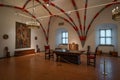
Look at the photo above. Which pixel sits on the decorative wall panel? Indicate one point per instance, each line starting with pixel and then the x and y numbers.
pixel 23 36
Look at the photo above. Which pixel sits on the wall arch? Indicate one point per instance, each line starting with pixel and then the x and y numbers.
pixel 114 33
pixel 58 35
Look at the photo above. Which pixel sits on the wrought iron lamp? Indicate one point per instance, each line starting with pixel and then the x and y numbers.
pixel 116 14
pixel 33 23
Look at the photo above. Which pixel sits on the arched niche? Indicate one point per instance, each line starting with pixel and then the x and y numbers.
pixel 59 35
pixel 114 34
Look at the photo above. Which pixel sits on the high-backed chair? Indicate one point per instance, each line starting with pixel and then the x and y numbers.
pixel 48 52
pixel 91 56
pixel 7 53
pixel 38 49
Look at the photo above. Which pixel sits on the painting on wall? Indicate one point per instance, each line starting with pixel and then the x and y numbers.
pixel 23 36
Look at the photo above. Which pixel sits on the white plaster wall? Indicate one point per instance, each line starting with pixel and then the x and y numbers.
pixel 40 39
pixel 7 26
pixel 118 39
pixel 91 39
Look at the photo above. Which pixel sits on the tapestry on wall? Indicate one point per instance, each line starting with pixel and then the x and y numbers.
pixel 23 36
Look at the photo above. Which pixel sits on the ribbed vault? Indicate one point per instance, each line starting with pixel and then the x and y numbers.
pixel 61 9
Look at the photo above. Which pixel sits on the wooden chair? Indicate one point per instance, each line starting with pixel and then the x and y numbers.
pixel 48 52
pixel 7 53
pixel 91 56
pixel 38 49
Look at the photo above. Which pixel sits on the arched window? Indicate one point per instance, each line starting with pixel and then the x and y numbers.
pixel 64 37
pixel 105 36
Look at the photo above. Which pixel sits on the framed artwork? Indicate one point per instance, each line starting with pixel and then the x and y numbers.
pixel 23 36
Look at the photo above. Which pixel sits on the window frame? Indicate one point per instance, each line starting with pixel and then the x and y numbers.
pixel 105 37
pixel 62 37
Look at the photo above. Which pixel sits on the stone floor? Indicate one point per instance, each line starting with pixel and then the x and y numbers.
pixel 35 67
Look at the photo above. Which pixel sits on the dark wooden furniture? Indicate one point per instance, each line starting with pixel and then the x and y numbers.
pixel 91 56
pixel 24 52
pixel 114 53
pixel 37 49
pixel 6 51
pixel 48 52
pixel 99 52
pixel 68 56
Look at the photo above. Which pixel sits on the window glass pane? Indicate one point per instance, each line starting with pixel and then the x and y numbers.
pixel 102 40
pixel 66 40
pixel 66 34
pixel 102 33
pixel 64 37
pixel 63 34
pixel 63 40
pixel 106 36
pixel 108 40
pixel 108 33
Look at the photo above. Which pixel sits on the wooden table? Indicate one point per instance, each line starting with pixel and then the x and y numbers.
pixel 68 56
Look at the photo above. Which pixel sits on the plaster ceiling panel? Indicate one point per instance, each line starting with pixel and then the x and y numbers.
pixel 80 3
pixel 64 4
pixel 98 2
pixel 39 11
pixel 19 3
pixel 54 10
pixel 22 14
pixel 32 4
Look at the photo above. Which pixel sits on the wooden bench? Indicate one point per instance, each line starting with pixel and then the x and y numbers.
pixel 24 52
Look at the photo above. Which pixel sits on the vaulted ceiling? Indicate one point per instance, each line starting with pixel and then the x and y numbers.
pixel 64 9
pixel 56 6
